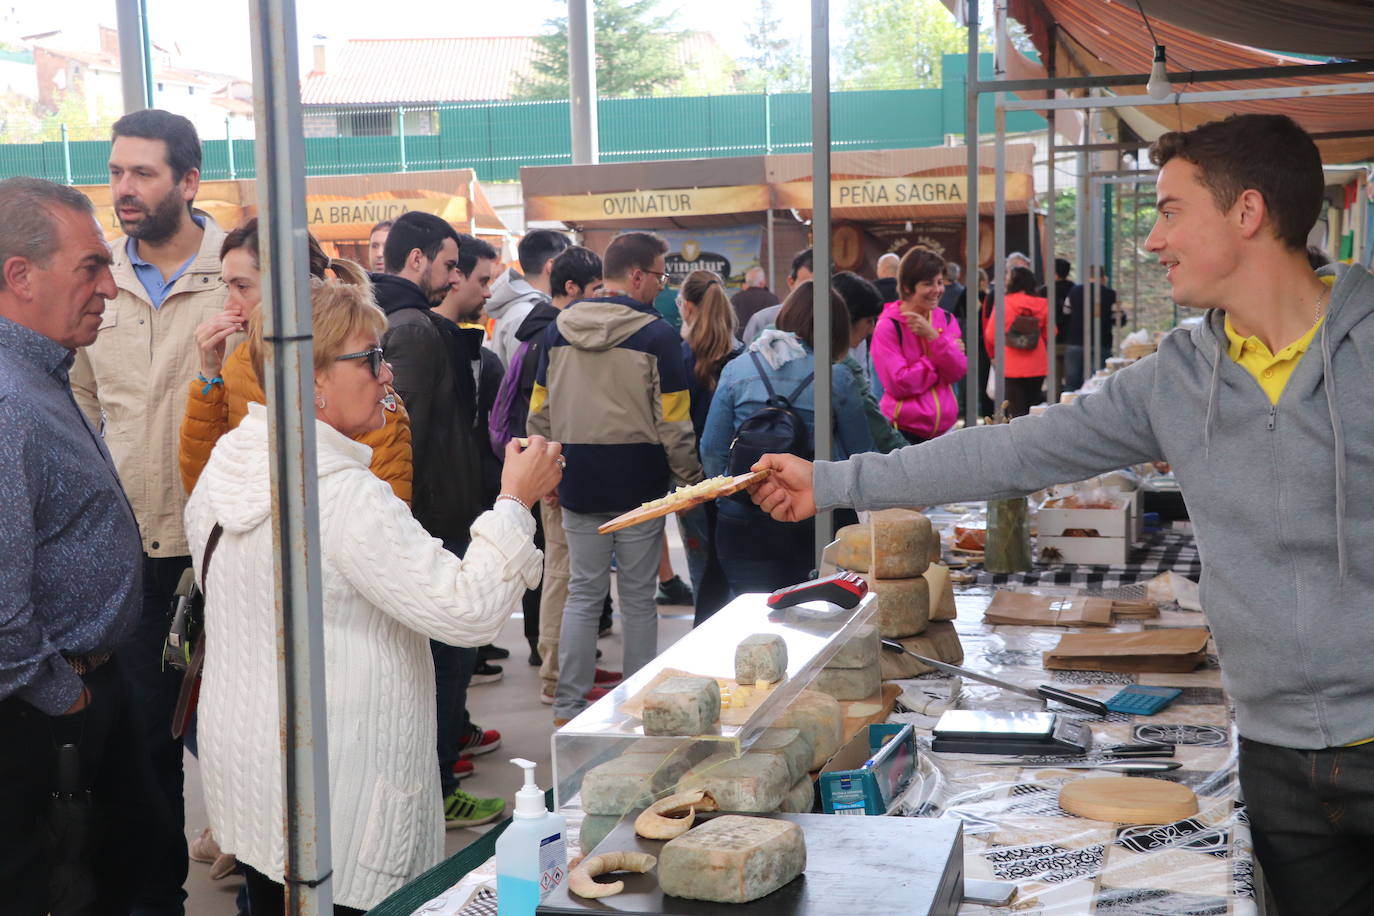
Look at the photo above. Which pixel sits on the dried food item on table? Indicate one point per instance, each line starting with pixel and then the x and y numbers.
pixel 581 879
pixel 761 657
pixel 682 706
pixel 673 816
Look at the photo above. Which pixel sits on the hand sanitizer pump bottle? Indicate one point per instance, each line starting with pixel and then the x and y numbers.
pixel 531 858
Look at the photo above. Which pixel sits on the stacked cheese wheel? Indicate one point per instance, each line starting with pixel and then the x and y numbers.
pixel 893 551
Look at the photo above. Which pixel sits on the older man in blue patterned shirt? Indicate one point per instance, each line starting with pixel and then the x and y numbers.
pixel 70 582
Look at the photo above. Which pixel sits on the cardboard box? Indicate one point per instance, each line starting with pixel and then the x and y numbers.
pixel 847 787
pixel 1108 523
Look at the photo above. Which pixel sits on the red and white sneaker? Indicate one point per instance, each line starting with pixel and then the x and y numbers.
pixel 463 768
pixel 604 678
pixel 480 741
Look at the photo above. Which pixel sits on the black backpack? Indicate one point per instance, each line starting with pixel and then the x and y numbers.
pixel 775 428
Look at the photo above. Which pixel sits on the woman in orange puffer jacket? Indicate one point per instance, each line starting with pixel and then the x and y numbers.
pixel 219 397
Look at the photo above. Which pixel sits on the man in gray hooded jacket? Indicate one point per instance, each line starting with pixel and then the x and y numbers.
pixel 515 295
pixel 1264 413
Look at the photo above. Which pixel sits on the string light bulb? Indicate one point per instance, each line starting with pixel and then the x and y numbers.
pixel 1158 87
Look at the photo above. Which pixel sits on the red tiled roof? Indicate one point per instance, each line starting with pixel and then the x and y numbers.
pixel 435 70
pixel 384 70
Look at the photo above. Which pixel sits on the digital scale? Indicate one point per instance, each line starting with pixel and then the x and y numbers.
pixel 1013 733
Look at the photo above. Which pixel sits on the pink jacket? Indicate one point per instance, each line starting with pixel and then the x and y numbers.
pixel 917 374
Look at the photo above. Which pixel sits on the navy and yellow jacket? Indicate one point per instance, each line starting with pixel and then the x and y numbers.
pixel 611 386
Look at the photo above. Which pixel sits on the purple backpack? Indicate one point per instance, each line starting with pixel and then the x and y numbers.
pixel 510 410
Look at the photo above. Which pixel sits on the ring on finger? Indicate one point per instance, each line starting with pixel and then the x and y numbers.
pixel 561 462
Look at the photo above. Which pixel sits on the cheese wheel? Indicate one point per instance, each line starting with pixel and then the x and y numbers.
pixel 732 859
pixel 817 716
pixel 801 798
pixel 940 641
pixel 788 743
pixel 903 606
pixel 682 706
pixel 849 683
pixel 761 657
pixel 628 782
pixel 753 782
pixel 942 606
pixel 859 651
pixel 901 544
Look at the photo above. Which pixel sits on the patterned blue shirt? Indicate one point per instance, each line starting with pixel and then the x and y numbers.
pixel 71 580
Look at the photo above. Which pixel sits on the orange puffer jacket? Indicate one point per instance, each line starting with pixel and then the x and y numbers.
pixel 210 414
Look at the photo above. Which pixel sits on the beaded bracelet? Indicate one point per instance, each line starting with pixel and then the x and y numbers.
pixel 515 499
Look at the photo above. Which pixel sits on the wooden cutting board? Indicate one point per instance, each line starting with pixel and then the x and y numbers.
pixel 642 514
pixel 1128 800
pixel 884 699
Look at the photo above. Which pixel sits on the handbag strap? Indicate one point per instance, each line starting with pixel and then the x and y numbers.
pixel 210 544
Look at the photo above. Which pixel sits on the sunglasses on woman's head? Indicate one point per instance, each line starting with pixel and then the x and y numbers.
pixel 374 358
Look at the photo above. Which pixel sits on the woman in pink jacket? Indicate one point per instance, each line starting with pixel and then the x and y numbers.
pixel 918 351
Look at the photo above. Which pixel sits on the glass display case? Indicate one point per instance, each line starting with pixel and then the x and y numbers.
pixel 813 632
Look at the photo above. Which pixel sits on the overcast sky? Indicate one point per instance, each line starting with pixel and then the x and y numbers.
pixel 215 37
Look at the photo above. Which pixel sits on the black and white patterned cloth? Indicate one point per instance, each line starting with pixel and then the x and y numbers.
pixel 1162 551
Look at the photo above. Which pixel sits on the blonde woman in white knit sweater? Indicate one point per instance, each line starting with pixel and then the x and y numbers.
pixel 388 588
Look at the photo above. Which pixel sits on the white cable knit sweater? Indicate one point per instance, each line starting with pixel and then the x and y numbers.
pixel 388 587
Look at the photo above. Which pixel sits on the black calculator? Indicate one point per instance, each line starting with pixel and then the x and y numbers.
pixel 1138 700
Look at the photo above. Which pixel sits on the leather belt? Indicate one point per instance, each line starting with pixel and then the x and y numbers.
pixel 85 664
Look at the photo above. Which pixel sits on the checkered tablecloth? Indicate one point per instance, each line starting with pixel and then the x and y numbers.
pixel 1163 551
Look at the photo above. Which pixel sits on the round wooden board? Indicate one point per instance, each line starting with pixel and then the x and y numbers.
pixel 1128 800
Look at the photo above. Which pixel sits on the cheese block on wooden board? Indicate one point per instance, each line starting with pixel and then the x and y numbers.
pixel 732 859
pixel 901 543
pixel 739 702
pixel 868 711
pixel 761 657
pixel 859 651
pixel 940 641
pixel 752 782
pixel 818 717
pixel 801 798
pixel 628 782
pixel 903 605
pixel 682 706
pixel 1128 800
pixel 942 606
pixel 791 745
pixel 849 683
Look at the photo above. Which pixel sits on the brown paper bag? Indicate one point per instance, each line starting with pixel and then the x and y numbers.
pixel 1174 650
pixel 1026 610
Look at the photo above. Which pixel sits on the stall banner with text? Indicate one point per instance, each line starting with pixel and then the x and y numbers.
pixel 658 203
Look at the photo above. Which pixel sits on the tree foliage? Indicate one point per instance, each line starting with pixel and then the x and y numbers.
pixel 776 63
pixel 634 53
pixel 898 44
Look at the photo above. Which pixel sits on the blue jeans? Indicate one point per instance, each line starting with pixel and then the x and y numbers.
pixel 1073 367
pixel 761 555
pixel 453 666
pixel 636 553
pixel 152 689
pixel 1312 821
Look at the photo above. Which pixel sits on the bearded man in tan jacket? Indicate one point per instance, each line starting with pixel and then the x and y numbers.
pixel 131 384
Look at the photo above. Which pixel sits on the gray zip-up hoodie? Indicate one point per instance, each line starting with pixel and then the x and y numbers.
pixel 1284 526
pixel 512 300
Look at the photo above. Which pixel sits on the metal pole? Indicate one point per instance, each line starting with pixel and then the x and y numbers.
pixel 229 147
pixel 582 82
pixel 1135 257
pixel 135 71
pixel 973 332
pixel 1051 246
pixel 820 242
pixel 1080 239
pixel 401 133
pixel 289 371
pixel 66 157
pixel 999 217
pixel 1094 278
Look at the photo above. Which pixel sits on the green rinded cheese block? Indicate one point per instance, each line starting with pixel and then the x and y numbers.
pixel 903 606
pixel 788 743
pixel 761 657
pixel 752 782
pixel 801 798
pixel 817 716
pixel 682 706
pixel 940 641
pixel 732 859
pixel 628 782
pixel 859 651
pixel 846 684
pixel 901 544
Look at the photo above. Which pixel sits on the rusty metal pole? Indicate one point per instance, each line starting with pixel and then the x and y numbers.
pixel 289 384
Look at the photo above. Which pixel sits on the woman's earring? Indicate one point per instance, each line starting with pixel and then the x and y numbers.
pixel 319 402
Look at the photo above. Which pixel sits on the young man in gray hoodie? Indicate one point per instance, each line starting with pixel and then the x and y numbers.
pixel 515 295
pixel 1264 413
